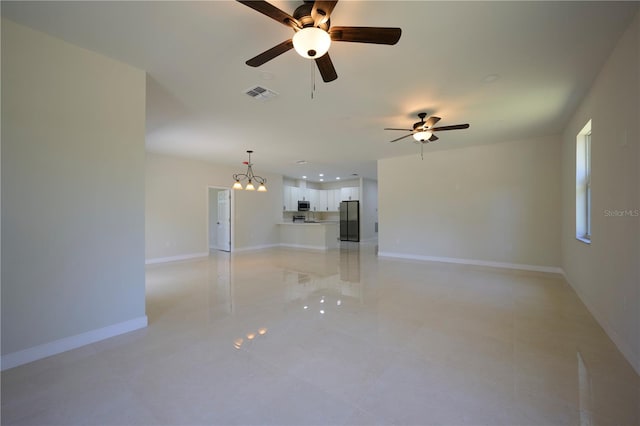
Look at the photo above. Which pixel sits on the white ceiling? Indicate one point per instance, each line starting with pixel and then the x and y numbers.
pixel 546 55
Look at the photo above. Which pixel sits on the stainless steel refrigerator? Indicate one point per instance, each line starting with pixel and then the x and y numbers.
pixel 350 221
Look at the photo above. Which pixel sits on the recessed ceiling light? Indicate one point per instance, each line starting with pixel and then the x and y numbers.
pixel 321 180
pixel 301 162
pixel 304 177
pixel 321 174
pixel 338 178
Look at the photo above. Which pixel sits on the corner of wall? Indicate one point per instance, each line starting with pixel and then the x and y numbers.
pixel 613 102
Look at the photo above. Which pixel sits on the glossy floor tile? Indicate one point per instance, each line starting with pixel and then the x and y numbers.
pixel 290 337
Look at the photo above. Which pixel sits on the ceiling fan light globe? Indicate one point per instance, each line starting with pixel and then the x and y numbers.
pixel 422 136
pixel 311 42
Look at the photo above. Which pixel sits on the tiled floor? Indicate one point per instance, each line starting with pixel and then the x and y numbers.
pixel 289 337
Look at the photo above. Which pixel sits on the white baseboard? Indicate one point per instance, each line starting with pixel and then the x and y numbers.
pixel 369 240
pixel 519 266
pixel 252 248
pixel 627 351
pixel 176 258
pixel 58 346
pixel 303 246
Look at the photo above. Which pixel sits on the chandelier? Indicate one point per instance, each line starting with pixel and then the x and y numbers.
pixel 250 177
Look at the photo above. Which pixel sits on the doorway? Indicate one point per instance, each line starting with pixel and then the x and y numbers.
pixel 219 219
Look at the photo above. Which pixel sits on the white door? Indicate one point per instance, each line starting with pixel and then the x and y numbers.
pixel 223 224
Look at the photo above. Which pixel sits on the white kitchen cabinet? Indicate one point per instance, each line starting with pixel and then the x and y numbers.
pixel 323 205
pixel 303 194
pixel 350 193
pixel 321 200
pixel 291 196
pixel 334 199
pixel 285 198
pixel 313 199
pixel 295 196
pixel 345 193
pixel 338 198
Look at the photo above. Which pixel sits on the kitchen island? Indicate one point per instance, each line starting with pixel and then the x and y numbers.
pixel 309 235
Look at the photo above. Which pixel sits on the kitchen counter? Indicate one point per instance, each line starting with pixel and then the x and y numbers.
pixel 310 235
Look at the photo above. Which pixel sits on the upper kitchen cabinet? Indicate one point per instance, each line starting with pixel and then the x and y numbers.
pixel 314 195
pixel 320 200
pixel 329 200
pixel 333 200
pixel 291 197
pixel 303 194
pixel 323 205
pixel 350 193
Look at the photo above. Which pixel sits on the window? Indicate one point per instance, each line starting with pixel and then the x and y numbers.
pixel 587 167
pixel 583 184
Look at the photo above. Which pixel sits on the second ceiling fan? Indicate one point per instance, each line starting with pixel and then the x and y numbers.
pixel 313 34
pixel 423 131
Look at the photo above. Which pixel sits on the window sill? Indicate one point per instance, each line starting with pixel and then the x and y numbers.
pixel 584 239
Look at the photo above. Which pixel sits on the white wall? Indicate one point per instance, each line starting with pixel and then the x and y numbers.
pixel 176 207
pixel 494 203
pixel 368 209
pixel 72 195
pixel 606 273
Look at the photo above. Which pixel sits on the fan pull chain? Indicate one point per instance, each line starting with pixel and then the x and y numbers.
pixel 313 78
pixel 422 151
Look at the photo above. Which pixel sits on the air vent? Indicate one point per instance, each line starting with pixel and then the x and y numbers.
pixel 261 93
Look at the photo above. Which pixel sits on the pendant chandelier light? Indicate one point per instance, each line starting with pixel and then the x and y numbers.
pixel 249 177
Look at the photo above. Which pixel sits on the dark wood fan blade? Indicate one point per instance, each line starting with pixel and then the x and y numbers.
pixel 272 12
pixel 433 138
pixel 404 130
pixel 375 35
pixel 327 71
pixel 321 11
pixel 396 140
pixel 270 54
pixel 454 127
pixel 431 121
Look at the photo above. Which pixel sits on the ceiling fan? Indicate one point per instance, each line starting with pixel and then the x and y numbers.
pixel 313 34
pixel 423 131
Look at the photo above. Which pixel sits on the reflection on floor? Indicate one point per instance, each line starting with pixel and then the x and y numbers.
pixel 298 337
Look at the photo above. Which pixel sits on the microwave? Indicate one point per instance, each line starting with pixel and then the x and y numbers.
pixel 304 206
